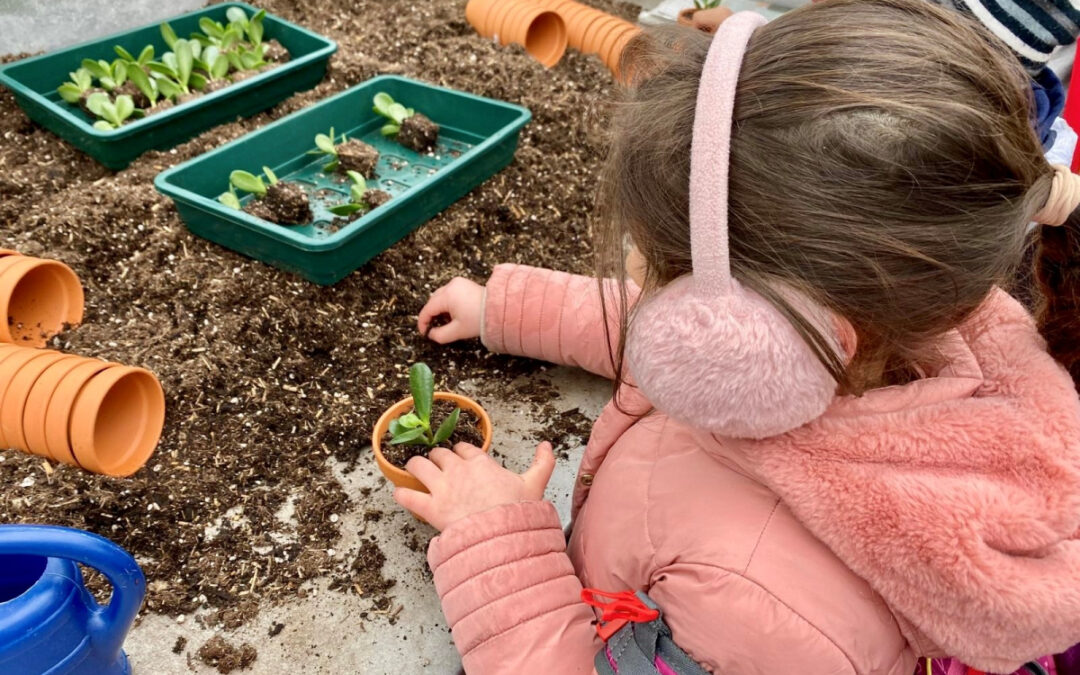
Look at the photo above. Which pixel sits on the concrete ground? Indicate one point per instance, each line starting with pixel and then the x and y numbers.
pixel 324 633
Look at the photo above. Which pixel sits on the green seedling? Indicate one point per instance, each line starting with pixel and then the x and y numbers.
pixel 179 65
pixel 150 87
pixel 81 82
pixel 254 28
pixel 706 4
pixel 110 75
pixel 393 111
pixel 248 182
pixel 357 202
pixel 415 428
pixel 112 113
pixel 145 57
pixel 169 35
pixel 327 145
pixel 214 63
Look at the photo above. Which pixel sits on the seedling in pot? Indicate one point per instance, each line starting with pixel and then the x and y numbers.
pixel 112 113
pixel 145 57
pixel 360 197
pixel 78 88
pixel 155 91
pixel 215 65
pixel 346 154
pixel 274 201
pixel 415 428
pixel 412 129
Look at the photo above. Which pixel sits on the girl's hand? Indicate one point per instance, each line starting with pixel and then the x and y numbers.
pixel 468 481
pixel 463 301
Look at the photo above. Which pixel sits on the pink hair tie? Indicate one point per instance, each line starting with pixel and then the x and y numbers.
pixel 1064 197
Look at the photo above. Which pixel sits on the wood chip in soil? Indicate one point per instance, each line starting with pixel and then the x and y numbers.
pixel 267 376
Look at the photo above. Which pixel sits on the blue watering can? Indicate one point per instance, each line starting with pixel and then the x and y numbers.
pixel 49 622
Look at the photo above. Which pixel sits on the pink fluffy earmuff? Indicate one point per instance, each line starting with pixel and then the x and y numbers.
pixel 705 350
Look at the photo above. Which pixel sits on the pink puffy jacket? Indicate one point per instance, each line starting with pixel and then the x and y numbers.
pixel 938 517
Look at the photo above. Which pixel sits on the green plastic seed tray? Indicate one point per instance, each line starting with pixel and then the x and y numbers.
pixel 34 81
pixel 478 137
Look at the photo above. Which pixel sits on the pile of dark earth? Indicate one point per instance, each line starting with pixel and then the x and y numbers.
pixel 267 376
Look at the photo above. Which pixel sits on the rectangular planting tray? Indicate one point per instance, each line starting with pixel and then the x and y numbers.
pixel 34 82
pixel 478 137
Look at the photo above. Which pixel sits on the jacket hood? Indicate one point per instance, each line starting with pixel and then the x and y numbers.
pixel 957 497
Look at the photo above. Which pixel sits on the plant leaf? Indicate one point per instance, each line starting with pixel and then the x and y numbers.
pixel 184 61
pixel 325 143
pixel 83 79
pixel 198 81
pixel 232 36
pixel 69 92
pixel 345 209
pixel 242 180
pixel 146 55
pixel 409 436
pixel 168 88
pixel 229 199
pixel 96 69
pixel 102 125
pixel 119 72
pixel 356 193
pixel 108 83
pixel 211 27
pixel 447 427
pixel 395 427
pixel 411 421
pixel 125 106
pixel 109 112
pixel 398 113
pixel 270 175
pixel 255 27
pixel 390 129
pixel 236 15
pixel 422 386
pixel 249 60
pixel 163 68
pixel 168 34
pixel 234 60
pixel 329 167
pixel 357 178
pixel 123 53
pixel 95 101
pixel 382 103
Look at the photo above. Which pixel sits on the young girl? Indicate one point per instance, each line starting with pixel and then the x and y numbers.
pixel 836 444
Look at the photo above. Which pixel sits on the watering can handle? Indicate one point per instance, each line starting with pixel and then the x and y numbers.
pixel 108 625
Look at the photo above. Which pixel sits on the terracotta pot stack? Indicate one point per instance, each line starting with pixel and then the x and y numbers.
pixel 525 22
pixel 38 297
pixel 592 31
pixel 102 417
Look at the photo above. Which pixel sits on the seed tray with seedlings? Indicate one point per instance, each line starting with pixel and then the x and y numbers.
pixel 148 88
pixel 299 196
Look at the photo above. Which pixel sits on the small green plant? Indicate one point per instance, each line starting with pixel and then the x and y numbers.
pixel 706 4
pixel 213 63
pixel 248 182
pixel 357 200
pixel 149 86
pixel 110 75
pixel 326 145
pixel 81 82
pixel 179 65
pixel 112 113
pixel 393 111
pixel 145 56
pixel 415 428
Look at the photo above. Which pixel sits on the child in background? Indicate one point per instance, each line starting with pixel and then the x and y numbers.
pixel 836 444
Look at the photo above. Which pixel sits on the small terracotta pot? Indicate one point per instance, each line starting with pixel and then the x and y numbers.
pixel 58 414
pixel 37 404
pixel 541 32
pixel 401 477
pixel 571 16
pixel 496 16
pixel 13 402
pixel 582 23
pixel 8 251
pixel 611 38
pixel 37 298
pixel 705 20
pixel 477 12
pixel 617 50
pixel 116 421
pixel 518 9
pixel 596 33
pixel 12 363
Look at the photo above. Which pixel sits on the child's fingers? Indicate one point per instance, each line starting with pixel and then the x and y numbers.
pixel 437 304
pixel 467 450
pixel 451 332
pixel 417 502
pixel 537 476
pixel 424 470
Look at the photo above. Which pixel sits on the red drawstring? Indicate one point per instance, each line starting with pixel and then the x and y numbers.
pixel 617 610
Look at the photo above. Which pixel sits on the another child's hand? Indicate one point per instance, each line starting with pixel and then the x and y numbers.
pixel 468 481
pixel 463 301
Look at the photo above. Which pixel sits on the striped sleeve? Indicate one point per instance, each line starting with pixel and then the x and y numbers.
pixel 1031 28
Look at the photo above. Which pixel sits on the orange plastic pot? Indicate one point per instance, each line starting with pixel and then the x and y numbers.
pixel 580 25
pixel 401 477
pixel 13 403
pixel 477 12
pixel 541 32
pixel 37 404
pixel 37 298
pixel 116 421
pixel 58 414
pixel 596 33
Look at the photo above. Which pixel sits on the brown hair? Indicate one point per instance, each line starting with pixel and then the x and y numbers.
pixel 883 163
